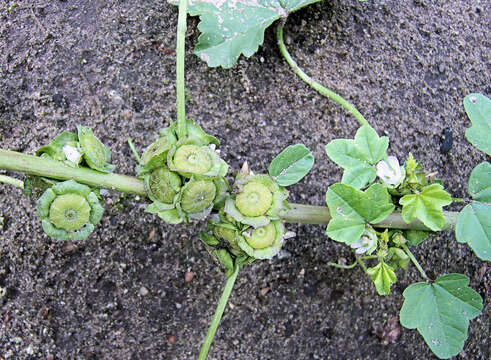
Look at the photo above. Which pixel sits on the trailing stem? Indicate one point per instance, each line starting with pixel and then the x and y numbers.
pixel 296 213
pixel 314 84
pixel 227 290
pixel 180 52
pixel 415 262
pixel 11 181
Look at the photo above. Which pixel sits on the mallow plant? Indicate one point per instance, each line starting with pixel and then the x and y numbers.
pixel 382 208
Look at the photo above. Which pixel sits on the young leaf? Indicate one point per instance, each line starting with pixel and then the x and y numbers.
pixel 426 206
pixel 478 109
pixel 370 144
pixel 383 277
pixel 291 165
pixel 441 312
pixel 351 208
pixel 358 156
pixel 231 28
pixel 474 227
pixel 480 182
pixel 416 237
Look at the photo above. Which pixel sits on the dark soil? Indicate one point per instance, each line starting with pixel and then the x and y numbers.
pixel 122 294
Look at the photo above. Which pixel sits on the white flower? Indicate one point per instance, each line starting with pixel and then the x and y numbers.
pixel 366 243
pixel 390 171
pixel 72 154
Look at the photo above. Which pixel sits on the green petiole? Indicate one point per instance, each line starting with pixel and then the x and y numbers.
pixel 314 84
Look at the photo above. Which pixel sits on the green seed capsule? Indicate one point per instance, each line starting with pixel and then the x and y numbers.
pixel 163 185
pixel 69 212
pixel 254 200
pixel 192 159
pixel 262 237
pixel 198 195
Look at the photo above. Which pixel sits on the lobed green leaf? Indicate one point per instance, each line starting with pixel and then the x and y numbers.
pixel 231 28
pixel 383 277
pixel 480 182
pixel 478 109
pixel 474 228
pixel 441 312
pixel 426 206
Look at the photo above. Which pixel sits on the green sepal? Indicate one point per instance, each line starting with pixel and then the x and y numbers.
pixel 441 312
pixel 97 210
pixel 195 131
pixel 54 149
pixel 196 196
pixel 35 186
pixel 155 155
pixel 170 216
pixel 95 153
pixel 383 277
pixel 208 239
pixel 398 257
pixel 222 191
pixel 70 186
pixel 224 258
pixel 426 206
pixel 44 203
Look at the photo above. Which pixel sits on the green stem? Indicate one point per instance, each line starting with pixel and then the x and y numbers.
pixel 362 264
pixel 218 313
pixel 309 214
pixel 180 52
pixel 11 181
pixel 133 150
pixel 415 262
pixel 296 213
pixel 33 165
pixel 314 84
pixel 340 266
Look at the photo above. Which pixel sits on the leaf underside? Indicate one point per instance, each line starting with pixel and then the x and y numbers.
pixel 441 312
pixel 230 28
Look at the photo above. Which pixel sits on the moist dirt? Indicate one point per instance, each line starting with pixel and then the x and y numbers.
pixel 122 294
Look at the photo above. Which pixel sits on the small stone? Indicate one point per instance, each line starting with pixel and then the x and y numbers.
pixel 171 339
pixel 143 291
pixel 127 114
pixel 188 277
pixel 264 291
pixel 178 306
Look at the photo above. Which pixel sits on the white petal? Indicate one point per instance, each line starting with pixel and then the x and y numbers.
pixel 72 154
pixel 357 244
pixel 361 250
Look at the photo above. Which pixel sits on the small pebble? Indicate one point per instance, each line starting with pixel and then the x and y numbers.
pixel 143 291
pixel 188 277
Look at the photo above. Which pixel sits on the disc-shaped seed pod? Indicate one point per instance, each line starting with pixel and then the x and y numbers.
pixel 254 199
pixel 258 200
pixel 69 211
pixel 95 154
pixel 197 198
pixel 162 185
pixel 189 158
pixel 192 159
pixel 263 242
